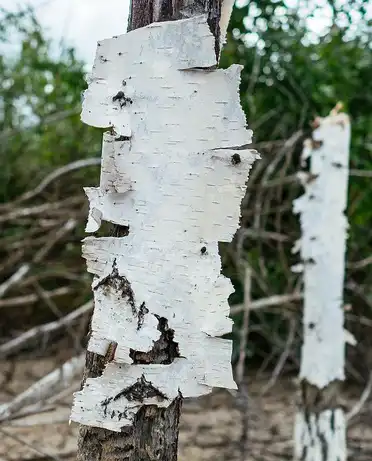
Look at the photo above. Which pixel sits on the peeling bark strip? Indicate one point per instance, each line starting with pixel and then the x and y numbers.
pixel 320 424
pixel 172 184
pixel 184 183
pixel 153 435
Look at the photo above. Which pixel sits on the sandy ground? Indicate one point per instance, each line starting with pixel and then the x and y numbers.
pixel 210 426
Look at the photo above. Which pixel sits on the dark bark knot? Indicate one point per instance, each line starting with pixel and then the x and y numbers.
pixel 164 350
pixel 235 159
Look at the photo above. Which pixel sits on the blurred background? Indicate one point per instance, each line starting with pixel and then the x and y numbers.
pixel 300 58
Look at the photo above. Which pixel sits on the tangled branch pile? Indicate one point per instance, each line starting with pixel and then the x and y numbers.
pixel 45 290
pixel 42 274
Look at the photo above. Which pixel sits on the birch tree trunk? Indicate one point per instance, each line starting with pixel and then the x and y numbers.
pixel 153 430
pixel 320 427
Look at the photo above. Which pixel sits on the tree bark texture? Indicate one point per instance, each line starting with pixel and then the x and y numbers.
pixel 144 12
pixel 154 435
pixel 320 423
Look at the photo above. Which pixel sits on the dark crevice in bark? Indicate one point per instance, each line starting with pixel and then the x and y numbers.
pixel 142 311
pixel 164 350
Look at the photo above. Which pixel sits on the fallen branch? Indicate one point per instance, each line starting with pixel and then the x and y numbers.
pixel 45 387
pixel 360 264
pixel 32 298
pixel 25 268
pixel 283 358
pixel 264 235
pixel 55 175
pixel 40 209
pixel 278 300
pixel 16 344
pixel 270 301
pixel 14 279
pixel 29 445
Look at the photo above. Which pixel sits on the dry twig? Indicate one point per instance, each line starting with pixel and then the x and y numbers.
pixel 45 387
pixel 362 400
pixel 25 268
pixel 20 341
pixel 275 300
pixel 243 392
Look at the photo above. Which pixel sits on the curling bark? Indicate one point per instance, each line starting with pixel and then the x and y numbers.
pixel 145 352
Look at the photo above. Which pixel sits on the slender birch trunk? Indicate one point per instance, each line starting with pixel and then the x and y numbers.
pixel 171 181
pixel 320 428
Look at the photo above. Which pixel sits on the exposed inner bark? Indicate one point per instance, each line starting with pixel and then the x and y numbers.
pixel 144 12
pixel 313 400
pixel 154 434
pixel 164 351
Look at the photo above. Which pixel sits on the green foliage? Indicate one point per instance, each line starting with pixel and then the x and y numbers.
pixel 40 96
pixel 290 75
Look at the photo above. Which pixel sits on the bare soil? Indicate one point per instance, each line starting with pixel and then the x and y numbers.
pixel 210 426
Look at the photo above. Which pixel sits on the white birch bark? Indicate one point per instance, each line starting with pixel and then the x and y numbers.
pixel 174 169
pixel 320 435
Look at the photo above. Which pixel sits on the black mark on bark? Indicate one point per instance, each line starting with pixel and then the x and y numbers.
pixel 123 100
pixel 123 138
pixel 139 391
pixel 309 261
pixel 304 454
pixel 323 443
pixel 333 422
pixel 120 284
pixel 142 311
pixel 235 159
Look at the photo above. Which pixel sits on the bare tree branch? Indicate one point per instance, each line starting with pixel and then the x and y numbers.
pixel 19 342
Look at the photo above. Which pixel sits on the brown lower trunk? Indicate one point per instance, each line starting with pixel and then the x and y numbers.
pixel 154 434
